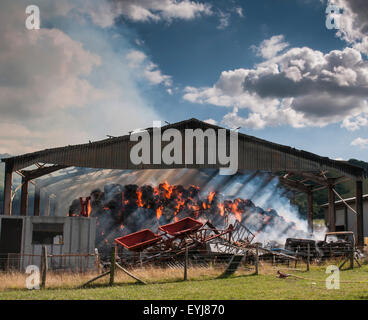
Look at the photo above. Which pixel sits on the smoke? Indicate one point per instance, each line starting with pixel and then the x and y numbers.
pixel 138 200
pixel 68 73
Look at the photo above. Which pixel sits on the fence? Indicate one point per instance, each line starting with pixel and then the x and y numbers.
pixel 57 262
pixel 250 259
pixel 154 266
pixel 222 252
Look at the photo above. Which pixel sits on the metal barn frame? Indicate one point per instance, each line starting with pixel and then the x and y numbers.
pixel 297 169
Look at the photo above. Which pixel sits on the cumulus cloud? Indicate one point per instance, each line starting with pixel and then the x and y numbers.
pixel 41 70
pixel 136 58
pixel 353 23
pixel 360 142
pixel 271 47
pixel 211 121
pixel 104 13
pixel 143 10
pixel 300 87
pixel 355 123
pixel 49 81
pixel 139 61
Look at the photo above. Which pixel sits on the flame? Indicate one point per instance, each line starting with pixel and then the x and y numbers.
pixel 89 208
pixel 139 201
pixel 156 192
pixel 238 216
pixel 210 196
pixel 159 213
pixel 168 188
pixel 180 204
pixel 177 201
pixel 222 209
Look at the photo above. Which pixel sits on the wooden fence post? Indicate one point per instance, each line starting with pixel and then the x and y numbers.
pixel 112 265
pixel 352 257
pixel 296 258
pixel 308 256
pixel 44 266
pixel 186 263
pixel 256 259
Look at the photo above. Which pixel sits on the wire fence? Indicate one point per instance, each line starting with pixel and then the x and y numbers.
pixel 152 266
pixel 218 259
pixel 215 257
pixel 78 262
pixel 231 258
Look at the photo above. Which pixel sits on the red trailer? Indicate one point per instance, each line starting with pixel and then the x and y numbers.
pixel 139 241
pixel 182 227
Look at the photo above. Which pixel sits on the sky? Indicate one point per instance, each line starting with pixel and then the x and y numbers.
pixel 106 67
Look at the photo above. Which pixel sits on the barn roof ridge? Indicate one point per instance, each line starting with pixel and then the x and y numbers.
pixel 342 165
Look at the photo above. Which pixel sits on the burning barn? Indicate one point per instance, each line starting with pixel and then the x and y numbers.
pixel 152 193
pixel 121 210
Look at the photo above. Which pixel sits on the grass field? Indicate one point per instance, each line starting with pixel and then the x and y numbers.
pixel 202 284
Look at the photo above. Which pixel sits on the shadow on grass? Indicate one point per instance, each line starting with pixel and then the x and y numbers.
pixel 169 281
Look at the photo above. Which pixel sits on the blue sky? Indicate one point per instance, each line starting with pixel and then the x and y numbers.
pixel 108 67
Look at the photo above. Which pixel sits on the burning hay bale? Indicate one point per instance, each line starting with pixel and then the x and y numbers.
pixel 121 210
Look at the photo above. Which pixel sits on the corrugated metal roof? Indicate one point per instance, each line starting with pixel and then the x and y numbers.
pixel 254 154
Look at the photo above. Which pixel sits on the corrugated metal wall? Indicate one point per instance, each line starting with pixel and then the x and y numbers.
pixel 79 235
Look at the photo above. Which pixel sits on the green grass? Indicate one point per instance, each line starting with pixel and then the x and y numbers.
pixel 264 286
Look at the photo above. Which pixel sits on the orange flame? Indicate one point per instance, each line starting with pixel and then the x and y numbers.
pixel 222 209
pixel 168 188
pixel 234 209
pixel 139 201
pixel 210 196
pixel 89 208
pixel 159 213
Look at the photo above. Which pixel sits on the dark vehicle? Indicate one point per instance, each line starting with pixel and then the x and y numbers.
pixel 300 247
pixel 337 244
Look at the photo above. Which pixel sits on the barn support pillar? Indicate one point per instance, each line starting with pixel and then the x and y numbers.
pixel 331 209
pixel 37 201
pixel 54 206
pixel 46 204
pixel 310 211
pixel 24 197
pixel 359 210
pixel 8 183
